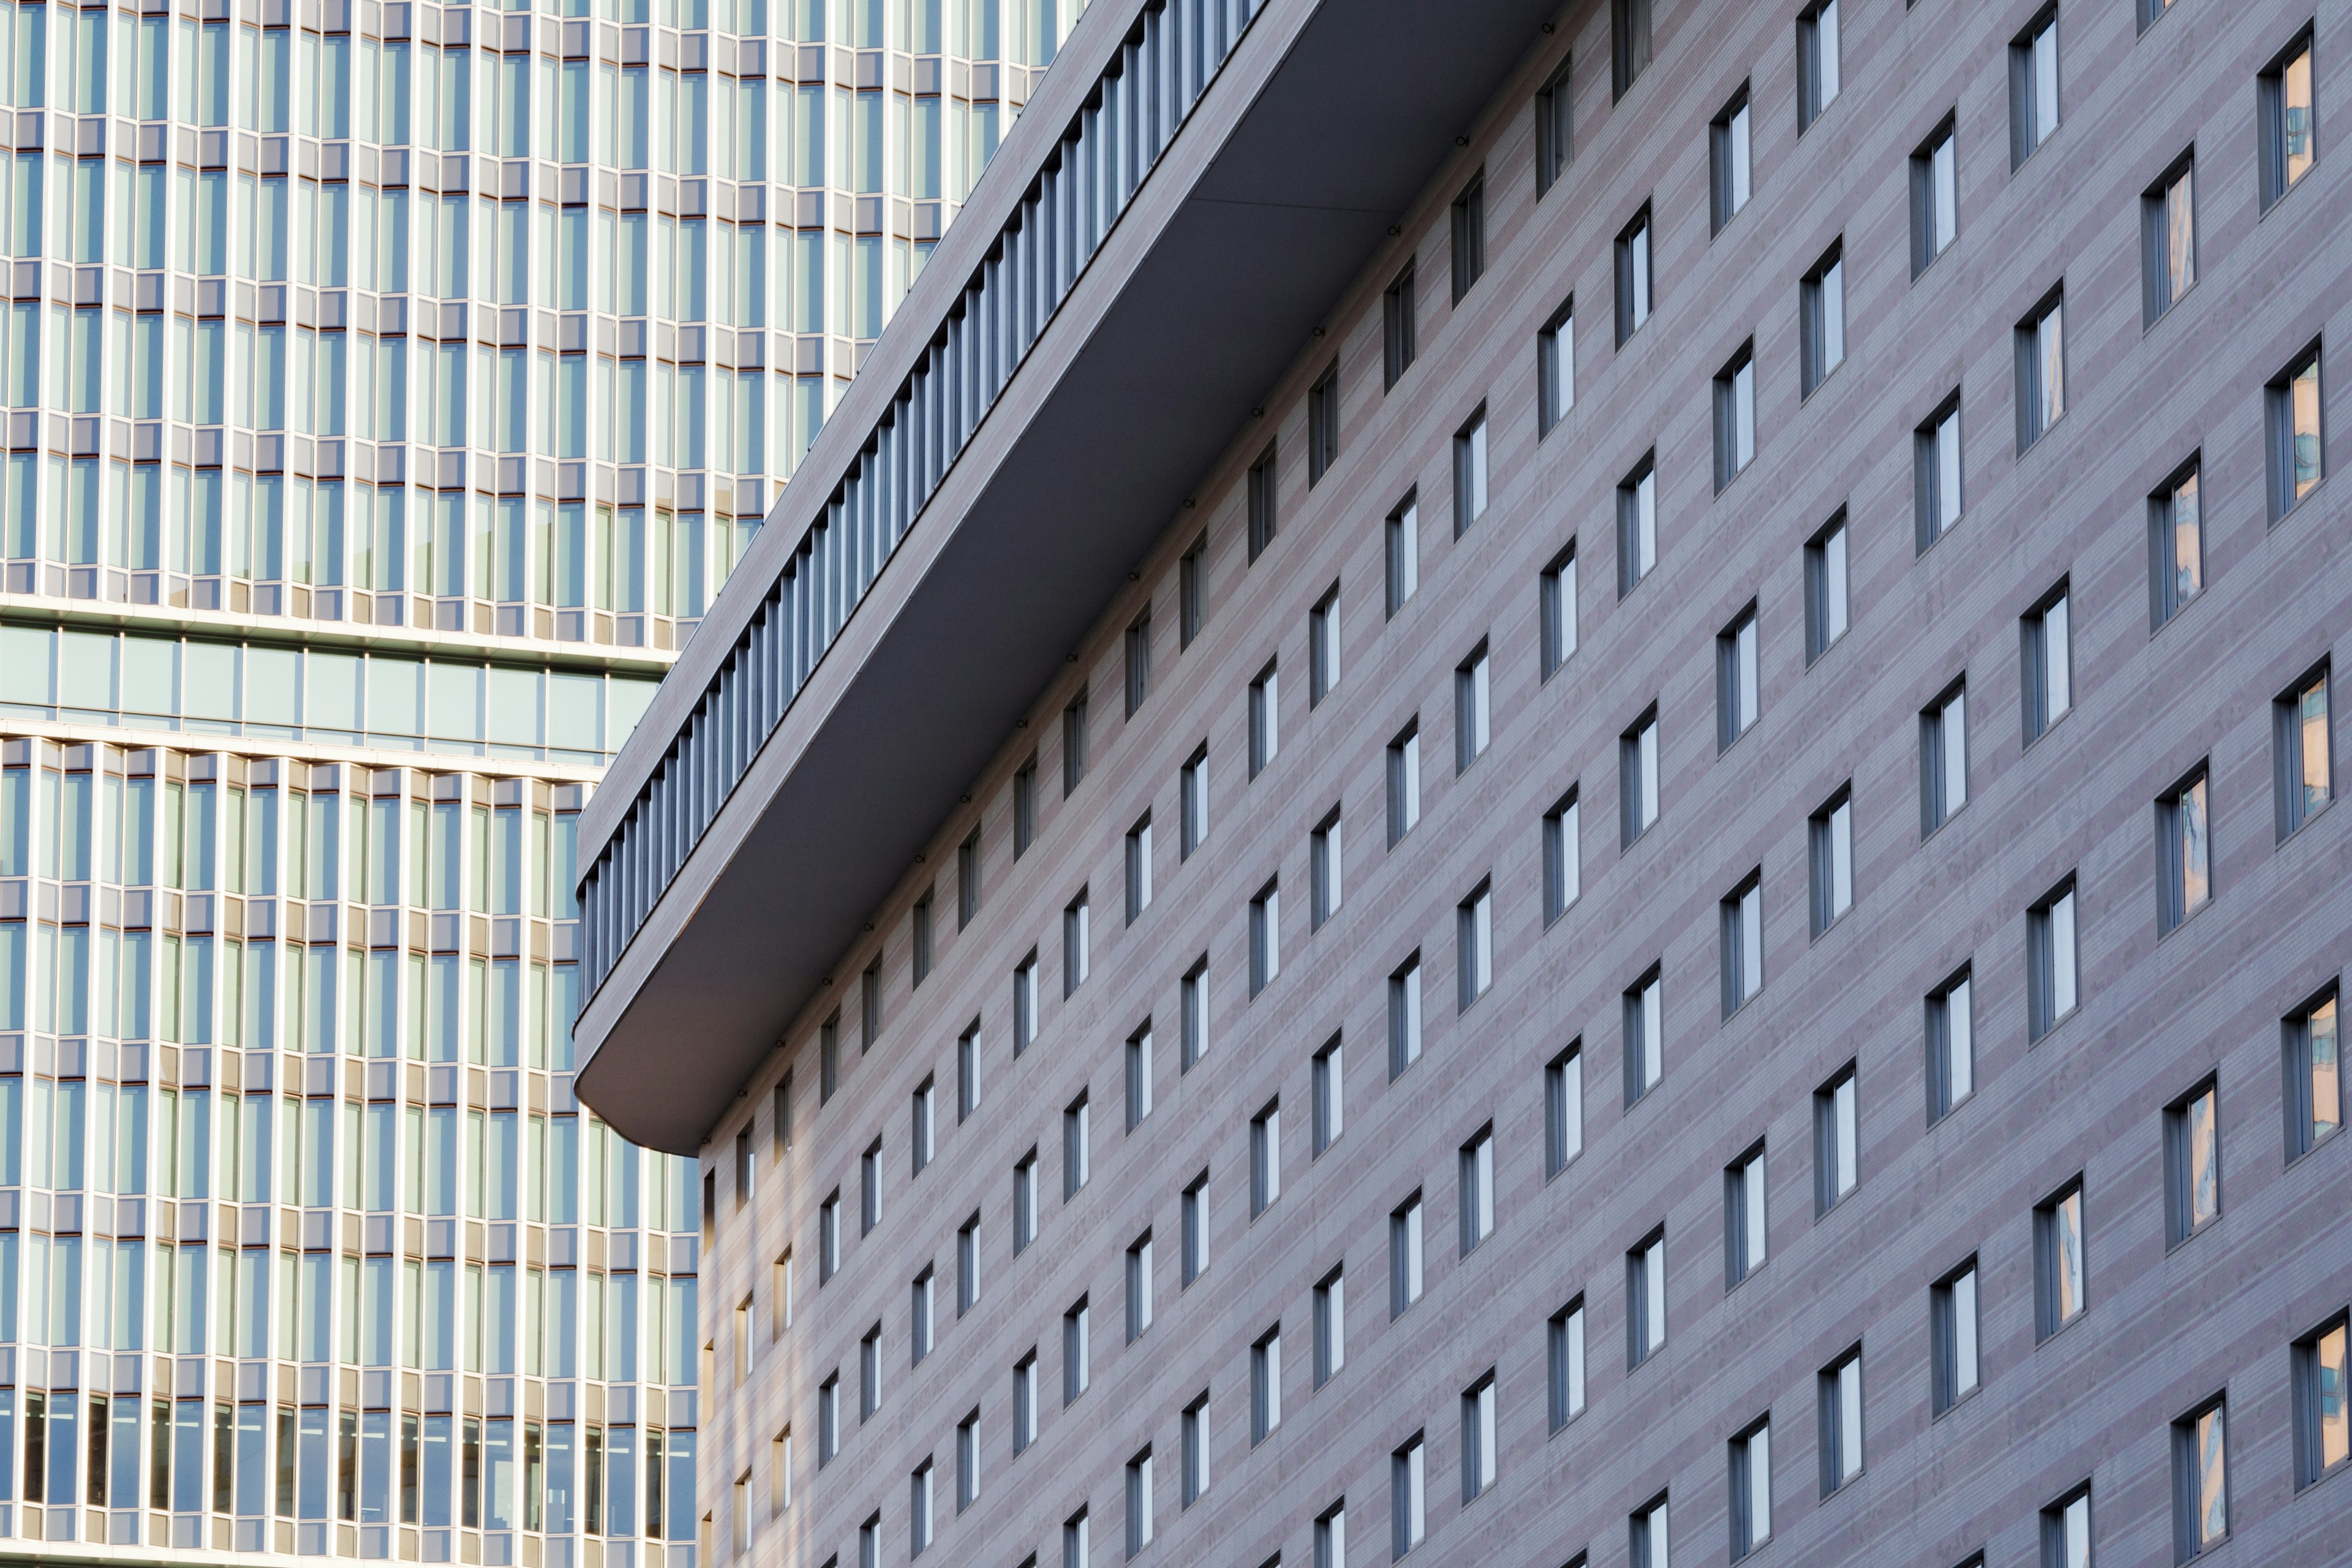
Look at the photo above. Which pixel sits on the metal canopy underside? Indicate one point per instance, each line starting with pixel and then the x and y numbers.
pixel 1349 127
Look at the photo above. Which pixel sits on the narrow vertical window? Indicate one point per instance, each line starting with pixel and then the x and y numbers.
pixel 2192 1164
pixel 1556 368
pixel 1943 757
pixel 1952 1324
pixel 1742 922
pixel 1951 1047
pixel 1477 1189
pixel 1261 504
pixel 1193 1210
pixel 1646 1534
pixel 2292 411
pixel 1265 1386
pixel 2168 223
pixel 1837 1139
pixel 1563 1092
pixel 1330 1326
pixel 2176 545
pixel 1646 1061
pixel 919 1133
pixel 1266 936
pixel 1751 1489
pixel 1323 647
pixel 1402 549
pixel 1473 708
pixel 1934 198
pixel 1555 125
pixel 1637 774
pixel 1074 743
pixel 2200 1488
pixel 968 1072
pixel 1138 1076
pixel 1075 1324
pixel 919 940
pixel 1629 50
pixel 1192 591
pixel 869 1373
pixel 1563 871
pixel 1470 472
pixel 968 1266
pixel 1323 424
pixel 1832 834
pixel 2289 145
pixel 1469 234
pixel 1193 787
pixel 2048 660
pixel 1736 678
pixel 1564 1364
pixel 1264 711
pixel 1326 1083
pixel 1826 607
pixel 1077 942
pixel 1840 1386
pixel 1138 868
pixel 1745 1223
pixel 1139 1287
pixel 1408 1497
pixel 1818 65
pixel 1404 1256
pixel 2052 993
pixel 2066 1531
pixel 1325 863
pixel 869 1006
pixel 1556 611
pixel 1646 1298
pixel 1025 1003
pixel 1479 1438
pixel 1138 662
pixel 1024 808
pixel 1637 524
pixel 1735 417
pixel 1821 296
pixel 2314 1082
pixel 968 880
pixel 2033 86
pixel 1397 345
pixel 1634 275
pixel 968 1461
pixel 1192 1021
pixel 1025 1202
pixel 1403 768
pixel 1404 1017
pixel 1727 160
pixel 2323 1425
pixel 1077 1139
pixel 1265 1158
pixel 922 1321
pixel 2058 1266
pixel 1935 472
pixel 1331 1536
pixel 2184 850
pixel 828 1237
pixel 2040 370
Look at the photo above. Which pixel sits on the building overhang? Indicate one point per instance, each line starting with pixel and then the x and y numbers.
pixel 1324 125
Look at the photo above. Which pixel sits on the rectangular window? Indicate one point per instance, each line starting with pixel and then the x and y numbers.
pixel 919 1138
pixel 1554 127
pixel 828 1420
pixel 1193 1211
pixel 2200 1489
pixel 1138 662
pixel 1629 54
pixel 1262 518
pixel 869 1006
pixel 1025 1202
pixel 1727 160
pixel 2168 227
pixel 1403 537
pixel 2192 1164
pixel 1328 1083
pixel 1645 1300
pixel 1556 611
pixel 2048 658
pixel 2041 369
pixel 1323 865
pixel 1024 1406
pixel 1637 524
pixel 1473 708
pixel 1193 788
pixel 919 940
pixel 1831 834
pixel 1934 198
pixel 1404 783
pixel 1943 758
pixel 1077 1540
pixel 1637 775
pixel 1477 1189
pixel 1469 233
pixel 1408 1497
pixel 1025 1003
pixel 968 1461
pixel 1556 369
pixel 1645 1060
pixel 1397 327
pixel 780 1139
pixel 1840 1419
pixel 1192 1019
pixel 1470 472
pixel 1935 472
pixel 1138 1076
pixel 1746 1234
pixel 1837 1139
pixel 1751 1489
pixel 1646 1535
pixel 968 1072
pixel 919 1510
pixel 1563 873
pixel 1265 1158
pixel 1952 1323
pixel 2292 407
pixel 1563 1108
pixel 1820 298
pixel 1076 943
pixel 1826 612
pixel 1264 712
pixel 1323 647
pixel 1817 62
pixel 2289 145
pixel 2323 1427
pixel 1138 1287
pixel 1077 1127
pixel 1331 1537
pixel 1951 1047
pixel 922 1321
pixel 2033 86
pixel 1024 808
pixel 2058 1265
pixel 1741 918
pixel 2050 959
pixel 1564 1364
pixel 1265 1386
pixel 1404 1017
pixel 1266 937
pixel 1075 1373
pixel 1404 1256
pixel 2184 851
pixel 1192 602
pixel 828 1237
pixel 2176 545
pixel 968 1266
pixel 869 1373
pixel 1736 678
pixel 1074 743
pixel 1138 868
pixel 1735 417
pixel 1634 274
pixel 1479 1438
pixel 2315 1083
pixel 1330 1326
pixel 1322 425
pixel 2066 1531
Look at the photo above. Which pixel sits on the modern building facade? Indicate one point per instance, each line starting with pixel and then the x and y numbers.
pixel 1536 784
pixel 388 391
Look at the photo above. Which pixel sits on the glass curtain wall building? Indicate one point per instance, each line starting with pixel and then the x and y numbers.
pixel 388 390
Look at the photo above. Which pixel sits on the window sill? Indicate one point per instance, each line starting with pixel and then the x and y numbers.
pixel 2055 1334
pixel 2172 1247
pixel 2057 1024
pixel 1962 1402
pixel 2317 488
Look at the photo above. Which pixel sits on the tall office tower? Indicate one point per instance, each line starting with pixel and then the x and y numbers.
pixel 1531 779
pixel 389 388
